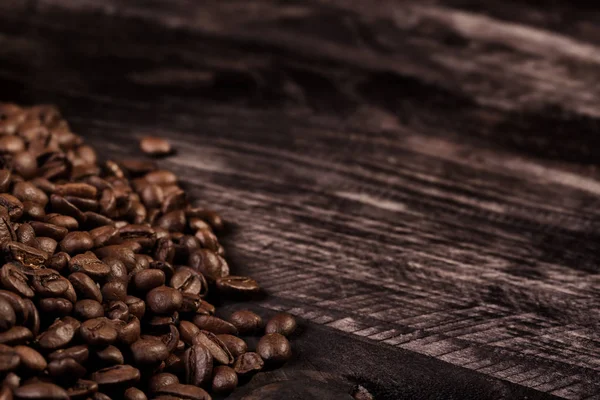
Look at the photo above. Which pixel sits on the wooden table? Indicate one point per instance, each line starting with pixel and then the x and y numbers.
pixel 416 180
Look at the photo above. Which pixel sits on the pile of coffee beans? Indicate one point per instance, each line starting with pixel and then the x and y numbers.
pixel 105 275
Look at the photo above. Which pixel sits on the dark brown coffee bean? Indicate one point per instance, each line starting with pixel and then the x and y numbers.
pixel 188 332
pixel 16 335
pixel 152 196
pixel 198 365
pixel 114 291
pixel 214 325
pixel 149 351
pixel 234 344
pixel 117 310
pixel 64 206
pixel 118 271
pixel 49 230
pixel 142 234
pixel 189 392
pixel 89 264
pixel 14 280
pixel 177 200
pixel 59 261
pixel 46 244
pixel 162 322
pixel 164 300
pixel 48 283
pixel 104 235
pixel 11 144
pixel 13 205
pixel 88 309
pixel 33 211
pixel 7 233
pixel 8 318
pixel 5 177
pixel 138 167
pixel 246 322
pixel 77 242
pixel 191 303
pixel 161 380
pixel 31 360
pixel 173 221
pixel 57 307
pixel 26 191
pixel 209 264
pixel 85 205
pixel 26 255
pixel 77 190
pixel 9 358
pixel 148 279
pixel 85 287
pixel 41 391
pixel 207 239
pixel 98 332
pixel 95 220
pixel 66 371
pixel 189 281
pixel 82 389
pixel 57 336
pixel 122 253
pixel 171 338
pixel 161 177
pixel 116 376
pixel 134 394
pixel 282 323
pixel 155 146
pixel 108 202
pixel 165 267
pixel 136 306
pixel 224 380
pixel 274 349
pixel 65 221
pixel 11 381
pixel 165 250
pixel 215 346
pixel 26 234
pixel 248 364
pixel 211 217
pixel 129 331
pixel 205 308
pixel 32 322
pixel 107 357
pixel 78 353
pixel 174 365
pixel 17 304
pixel 101 396
pixel 237 285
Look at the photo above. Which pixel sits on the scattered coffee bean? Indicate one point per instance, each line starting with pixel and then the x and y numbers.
pixel 224 380
pixel 248 364
pixel 155 146
pixel 274 348
pixel 234 344
pixel 161 380
pixel 41 391
pixel 198 365
pixel 246 322
pixel 149 352
pixel 214 325
pixel 281 323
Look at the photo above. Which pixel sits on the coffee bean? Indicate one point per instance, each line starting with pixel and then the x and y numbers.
pixel 224 380
pixel 88 309
pixel 47 245
pixel 26 255
pixel 122 253
pixel 165 267
pixel 129 331
pixel 32 322
pixel 116 376
pixel 134 394
pixel 7 233
pixel 281 323
pixel 118 271
pixel 114 291
pixel 85 287
pixel 117 310
pixel 16 335
pixel 41 391
pixel 173 221
pixel 101 396
pixel 138 167
pixel 5 177
pixel 26 234
pixel 246 322
pixel 161 177
pixel 179 391
pixel 64 221
pixel 78 353
pixel 209 264
pixel 164 300
pixel 107 357
pixel 186 280
pixel 152 196
pixel 155 146
pixel 237 285
pixel 161 380
pixel 77 190
pixel 77 242
pixel 149 352
pixel 234 344
pixel 98 332
pixel 95 220
pixel 82 389
pixel 89 264
pixel 57 336
pixel 17 304
pixel 49 230
pixel 209 216
pixel 165 250
pixel 8 318
pixel 215 346
pixel 148 279
pixel 248 364
pixel 64 206
pixel 9 358
pixel 136 306
pixel 14 280
pixel 66 370
pixel 198 365
pixel 214 325
pixel 31 360
pixel 274 349
pixel 205 308
pixel 56 307
pixel 33 211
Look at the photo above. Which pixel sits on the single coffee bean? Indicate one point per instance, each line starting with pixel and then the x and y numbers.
pixel 7 233
pixel 161 380
pixel 57 307
pixel 114 291
pixel 165 267
pixel 134 394
pixel 237 285
pixel 188 332
pixel 173 221
pixel 78 353
pixel 209 264
pixel 41 391
pixel 215 221
pixel 64 221
pixel 64 206
pixel 59 261
pixel 155 146
pixel 85 205
pixel 5 177
pixel 26 255
pixel 282 323
pixel 88 309
pixel 205 308
pixel 11 144
pixel 118 271
pixel 57 336
pixel 274 349
pixel 123 253
pixel 16 335
pixel 13 205
pixel 152 196
pixel 26 191
pixel 246 322
pixel 77 190
pixel 161 177
pixel 17 304
pixel 207 239
pixel 82 389
pixel 11 381
pixel 116 376
pixel 164 250
pixel 149 352
pixel 95 220
pixel 8 318
pixel 234 344
pixel 107 357
pixel 46 244
pixel 191 303
pixel 189 281
pixel 26 234
pixel 248 364
pixel 179 391
pixel 14 280
pixel 66 370
pixel 142 234
pixel 98 332
pixel 32 322
pixel 129 331
pixel 101 396
pixel 148 279
pixel 48 283
pixel 77 242
pixel 56 232
pixel 89 264
pixel 176 200
pixel 85 287
pixel 214 325
pixel 138 167
pixel 224 380
pixel 161 323
pixel 215 346
pixel 117 310
pixel 9 358
pixel 104 235
pixel 136 306
pixel 33 211
pixel 164 300
pixel 198 365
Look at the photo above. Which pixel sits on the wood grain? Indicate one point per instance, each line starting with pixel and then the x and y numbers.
pixel 420 175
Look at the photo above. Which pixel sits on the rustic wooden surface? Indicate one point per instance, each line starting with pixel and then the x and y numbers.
pixel 417 180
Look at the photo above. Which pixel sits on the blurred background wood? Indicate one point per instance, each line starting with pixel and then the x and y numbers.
pixel 418 181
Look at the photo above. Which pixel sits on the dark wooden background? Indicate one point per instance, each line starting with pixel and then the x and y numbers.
pixel 417 180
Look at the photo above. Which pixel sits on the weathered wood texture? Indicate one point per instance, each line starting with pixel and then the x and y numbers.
pixel 422 175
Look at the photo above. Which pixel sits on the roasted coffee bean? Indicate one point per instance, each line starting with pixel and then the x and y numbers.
pixel 49 230
pixel 198 365
pixel 7 233
pixel 64 221
pixel 161 323
pixel 95 220
pixel 11 381
pixel 205 308
pixel 211 217
pixel 155 146
pixel 8 318
pixel 47 245
pixel 188 332
pixel 174 201
pixel 138 167
pixel 57 336
pixel 129 331
pixel 26 255
pixel 104 235
pixel 107 357
pixel 274 348
pixel 248 363
pixel 33 211
pixel 116 376
pixel 41 391
pixel 48 283
pixel 26 191
pixel 189 281
pixel 148 279
pixel 5 177
pixel 237 285
pixel 122 253
pixel 148 352
pixel 88 309
pixel 13 205
pixel 117 310
pixel 66 370
pixel 165 250
pixel 18 306
pixel 161 177
pixel 214 325
pixel 136 306
pixel 207 239
pixel 209 264
pixel 85 287
pixel 224 380
pixel 164 300
pixel 246 322
pixel 179 391
pixel 85 205
pixel 77 242
pixel 234 344
pixel 114 291
pixel 215 346
pixel 134 394
pixel 9 358
pixel 14 280
pixel 165 267
pixel 118 271
pixel 78 353
pixel 16 335
pixel 142 234
pixel 26 234
pixel 161 380
pixel 82 389
pixel 173 221
pixel 59 261
pixel 191 303
pixel 89 264
pixel 31 360
pixel 57 307
pixel 101 396
pixel 98 332
pixel 281 323
pixel 152 196
pixel 77 190
pixel 32 322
